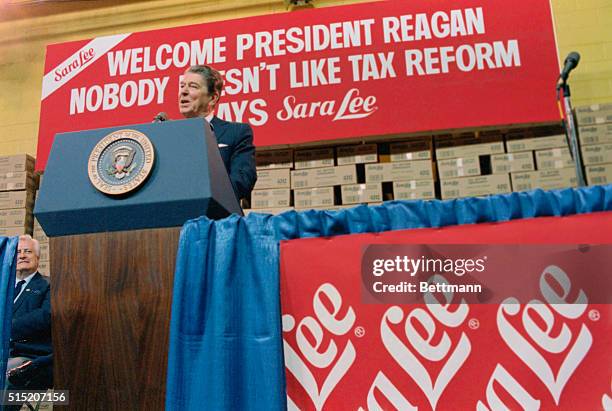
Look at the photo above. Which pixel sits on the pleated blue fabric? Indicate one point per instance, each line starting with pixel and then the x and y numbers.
pixel 8 259
pixel 225 348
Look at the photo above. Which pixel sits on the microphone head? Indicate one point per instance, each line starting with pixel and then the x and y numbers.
pixel 161 116
pixel 573 58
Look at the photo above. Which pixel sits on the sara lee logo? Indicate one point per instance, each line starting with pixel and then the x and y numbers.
pixel 451 355
pixel 325 324
pixel 538 321
pixel 79 61
pixel 352 107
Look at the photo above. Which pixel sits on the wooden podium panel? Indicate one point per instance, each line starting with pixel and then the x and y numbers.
pixel 111 297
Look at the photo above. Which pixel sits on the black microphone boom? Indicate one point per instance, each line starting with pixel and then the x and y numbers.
pixel 160 117
pixel 570 63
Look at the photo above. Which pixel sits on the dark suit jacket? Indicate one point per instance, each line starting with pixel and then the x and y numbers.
pixel 238 154
pixel 31 329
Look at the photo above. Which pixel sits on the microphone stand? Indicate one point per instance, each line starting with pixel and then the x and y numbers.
pixel 563 92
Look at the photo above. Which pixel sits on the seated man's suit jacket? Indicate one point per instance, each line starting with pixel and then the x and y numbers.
pixel 235 141
pixel 31 328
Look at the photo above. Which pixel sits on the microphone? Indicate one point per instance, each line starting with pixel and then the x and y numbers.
pixel 570 63
pixel 160 117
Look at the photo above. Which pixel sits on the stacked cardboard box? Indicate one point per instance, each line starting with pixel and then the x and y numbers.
pixel 469 164
pixel 309 178
pixel 554 164
pixel 465 165
pixel 359 193
pixel 406 170
pixel 45 262
pixel 272 189
pixel 315 176
pixel 595 135
pixel 17 187
pixel 414 179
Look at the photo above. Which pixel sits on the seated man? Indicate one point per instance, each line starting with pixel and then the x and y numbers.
pixel 30 362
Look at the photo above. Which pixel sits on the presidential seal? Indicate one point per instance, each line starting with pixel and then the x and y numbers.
pixel 121 162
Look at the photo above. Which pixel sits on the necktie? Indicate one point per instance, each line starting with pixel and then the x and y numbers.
pixel 18 288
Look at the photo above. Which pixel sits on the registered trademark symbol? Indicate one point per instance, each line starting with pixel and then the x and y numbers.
pixel 594 315
pixel 359 332
pixel 474 324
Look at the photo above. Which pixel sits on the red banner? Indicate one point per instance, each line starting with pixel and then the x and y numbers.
pixel 524 354
pixel 352 71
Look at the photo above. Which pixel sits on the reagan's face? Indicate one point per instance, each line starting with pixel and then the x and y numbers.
pixel 27 260
pixel 194 100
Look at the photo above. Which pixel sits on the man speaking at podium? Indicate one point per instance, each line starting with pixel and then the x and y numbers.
pixel 199 93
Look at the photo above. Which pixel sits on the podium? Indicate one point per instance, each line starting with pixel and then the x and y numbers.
pixel 113 257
